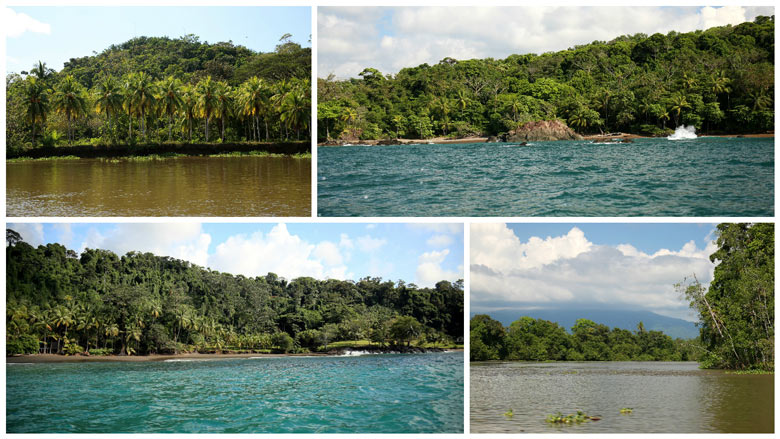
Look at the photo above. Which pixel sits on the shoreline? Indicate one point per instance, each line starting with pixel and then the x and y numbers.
pixel 484 139
pixel 143 150
pixel 55 358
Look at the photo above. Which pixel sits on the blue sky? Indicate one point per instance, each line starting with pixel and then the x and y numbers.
pixel 588 266
pixel 391 38
pixel 416 253
pixel 78 31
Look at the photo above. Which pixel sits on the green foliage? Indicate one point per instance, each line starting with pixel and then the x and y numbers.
pixel 23 344
pixel 530 339
pixel 719 80
pixel 737 310
pixel 145 304
pixel 161 88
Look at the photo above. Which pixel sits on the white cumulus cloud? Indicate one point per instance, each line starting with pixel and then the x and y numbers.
pixel 430 271
pixel 16 24
pixel 31 233
pixel 388 39
pixel 186 241
pixel 279 252
pixel 571 270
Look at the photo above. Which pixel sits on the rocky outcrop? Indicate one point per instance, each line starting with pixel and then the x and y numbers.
pixel 390 142
pixel 543 130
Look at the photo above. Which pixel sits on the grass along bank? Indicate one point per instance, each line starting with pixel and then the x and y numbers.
pixel 301 149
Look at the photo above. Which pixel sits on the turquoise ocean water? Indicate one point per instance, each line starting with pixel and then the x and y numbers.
pixel 707 176
pixel 415 393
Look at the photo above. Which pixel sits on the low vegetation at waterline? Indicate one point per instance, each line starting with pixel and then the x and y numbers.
pixel 718 80
pixel 532 339
pixel 162 89
pixel 61 302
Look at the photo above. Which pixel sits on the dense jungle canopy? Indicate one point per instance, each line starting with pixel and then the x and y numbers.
pixel 720 80
pixel 154 89
pixel 61 302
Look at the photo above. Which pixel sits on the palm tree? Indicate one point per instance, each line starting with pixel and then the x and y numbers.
pixel 41 71
pixel 189 104
pixel 170 99
pixel 141 96
pixel 579 119
pixel 679 103
pixel 37 103
pixel 62 318
pixel 69 98
pixel 349 116
pixel 760 99
pixel 280 90
pixel 224 108
pixel 206 91
pixel 253 102
pixel 296 107
pixel 398 120
pixel 664 117
pixel 443 107
pixel 109 98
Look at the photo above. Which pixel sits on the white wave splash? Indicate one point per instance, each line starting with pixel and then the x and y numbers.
pixel 683 132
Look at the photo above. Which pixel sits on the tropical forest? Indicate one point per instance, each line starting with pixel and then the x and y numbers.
pixel 99 303
pixel 163 90
pixel 735 313
pixel 719 80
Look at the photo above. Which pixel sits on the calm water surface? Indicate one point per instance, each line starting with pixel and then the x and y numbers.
pixel 420 393
pixel 707 176
pixel 185 186
pixel 666 398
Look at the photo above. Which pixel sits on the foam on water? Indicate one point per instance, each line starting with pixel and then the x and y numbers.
pixel 683 132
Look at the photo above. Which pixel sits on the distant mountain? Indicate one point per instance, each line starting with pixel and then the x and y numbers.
pixel 624 319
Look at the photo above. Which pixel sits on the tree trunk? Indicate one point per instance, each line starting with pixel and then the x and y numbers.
pixel 170 122
pixel 33 134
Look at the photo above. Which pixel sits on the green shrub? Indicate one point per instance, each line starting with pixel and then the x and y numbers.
pixel 24 344
pixel 72 349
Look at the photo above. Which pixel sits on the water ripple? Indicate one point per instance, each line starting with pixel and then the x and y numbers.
pixel 651 177
pixel 367 394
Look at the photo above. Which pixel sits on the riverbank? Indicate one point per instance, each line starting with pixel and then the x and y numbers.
pixel 186 149
pixel 609 137
pixel 54 358
pixel 166 156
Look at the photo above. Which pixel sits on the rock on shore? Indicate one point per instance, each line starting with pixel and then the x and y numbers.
pixel 543 130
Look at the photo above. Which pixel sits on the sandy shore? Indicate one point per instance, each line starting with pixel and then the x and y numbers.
pixel 53 358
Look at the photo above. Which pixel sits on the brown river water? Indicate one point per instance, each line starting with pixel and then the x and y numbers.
pixel 184 186
pixel 673 397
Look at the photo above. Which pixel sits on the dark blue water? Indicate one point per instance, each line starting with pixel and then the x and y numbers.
pixel 708 176
pixel 420 393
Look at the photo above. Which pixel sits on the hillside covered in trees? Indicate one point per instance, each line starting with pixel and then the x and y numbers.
pixel 720 80
pixel 532 339
pixel 61 302
pixel 155 89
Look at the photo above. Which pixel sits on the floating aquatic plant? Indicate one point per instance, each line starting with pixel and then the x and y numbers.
pixel 577 418
pixel 626 410
pixel 509 414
